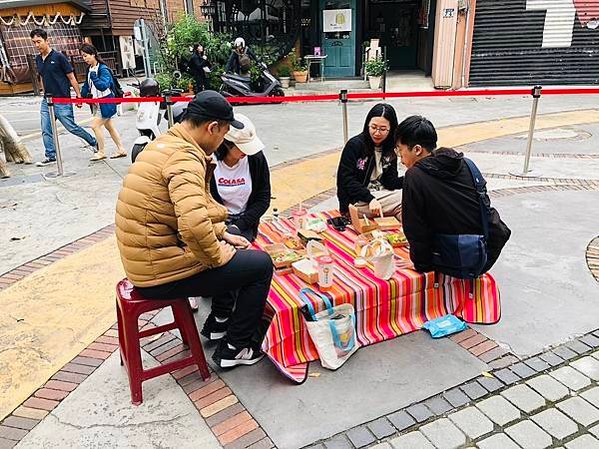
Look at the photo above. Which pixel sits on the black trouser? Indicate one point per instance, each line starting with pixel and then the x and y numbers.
pixel 201 83
pixel 248 274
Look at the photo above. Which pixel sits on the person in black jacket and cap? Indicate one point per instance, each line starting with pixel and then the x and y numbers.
pixel 367 175
pixel 439 196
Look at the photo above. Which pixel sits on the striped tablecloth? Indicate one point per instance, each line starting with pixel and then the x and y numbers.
pixel 384 309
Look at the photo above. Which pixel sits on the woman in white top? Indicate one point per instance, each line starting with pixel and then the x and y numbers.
pixel 99 84
pixel 241 182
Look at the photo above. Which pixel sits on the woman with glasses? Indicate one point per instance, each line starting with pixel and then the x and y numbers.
pixel 367 175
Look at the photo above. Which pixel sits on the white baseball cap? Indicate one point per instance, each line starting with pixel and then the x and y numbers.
pixel 246 138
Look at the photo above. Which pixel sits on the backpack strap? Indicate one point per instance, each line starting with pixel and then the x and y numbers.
pixel 481 190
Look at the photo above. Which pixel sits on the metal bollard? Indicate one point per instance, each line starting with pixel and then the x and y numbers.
pixel 536 94
pixel 343 99
pixel 50 102
pixel 169 111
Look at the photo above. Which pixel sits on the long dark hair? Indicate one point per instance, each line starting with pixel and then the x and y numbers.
pixel 388 112
pixel 223 150
pixel 91 50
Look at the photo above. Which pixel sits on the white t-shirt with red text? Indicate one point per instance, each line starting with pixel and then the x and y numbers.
pixel 234 185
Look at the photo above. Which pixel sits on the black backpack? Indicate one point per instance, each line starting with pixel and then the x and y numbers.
pixel 464 256
pixel 116 86
pixel 245 63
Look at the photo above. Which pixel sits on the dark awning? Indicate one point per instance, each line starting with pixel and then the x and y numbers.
pixel 82 4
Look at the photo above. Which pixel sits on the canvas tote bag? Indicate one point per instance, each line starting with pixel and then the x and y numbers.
pixel 333 331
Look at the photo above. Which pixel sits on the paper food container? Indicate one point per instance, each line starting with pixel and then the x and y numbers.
pixel 361 225
pixel 306 270
pixel 387 223
pixel 283 257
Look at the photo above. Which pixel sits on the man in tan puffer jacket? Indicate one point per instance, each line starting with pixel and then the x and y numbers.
pixel 171 232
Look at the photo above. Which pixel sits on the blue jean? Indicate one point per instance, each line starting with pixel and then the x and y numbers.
pixel 64 114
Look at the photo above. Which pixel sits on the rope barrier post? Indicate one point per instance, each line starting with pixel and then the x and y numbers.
pixel 536 95
pixel 385 72
pixel 343 99
pixel 60 171
pixel 169 110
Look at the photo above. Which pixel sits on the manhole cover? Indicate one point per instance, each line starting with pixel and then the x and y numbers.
pixel 558 134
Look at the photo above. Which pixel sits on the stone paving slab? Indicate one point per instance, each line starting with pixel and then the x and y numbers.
pixel 99 414
pixel 545 248
pixel 388 366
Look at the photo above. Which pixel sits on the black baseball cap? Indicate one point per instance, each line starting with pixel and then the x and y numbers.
pixel 212 105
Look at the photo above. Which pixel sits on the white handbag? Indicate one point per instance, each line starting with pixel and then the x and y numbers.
pixel 333 330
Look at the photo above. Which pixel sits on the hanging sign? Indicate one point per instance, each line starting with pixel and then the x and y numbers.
pixel 336 20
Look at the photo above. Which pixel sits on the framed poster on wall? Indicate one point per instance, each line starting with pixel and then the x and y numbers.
pixel 335 20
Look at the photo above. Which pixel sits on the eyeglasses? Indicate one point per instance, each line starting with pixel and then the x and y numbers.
pixel 381 130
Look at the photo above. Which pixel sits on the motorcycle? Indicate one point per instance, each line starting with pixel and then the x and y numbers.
pixel 234 85
pixel 149 114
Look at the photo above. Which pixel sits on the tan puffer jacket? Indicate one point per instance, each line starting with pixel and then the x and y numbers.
pixel 168 226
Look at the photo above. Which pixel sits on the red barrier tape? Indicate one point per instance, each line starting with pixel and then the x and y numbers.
pixel 350 96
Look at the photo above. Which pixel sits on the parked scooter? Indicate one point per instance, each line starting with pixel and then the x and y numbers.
pixel 149 116
pixel 240 86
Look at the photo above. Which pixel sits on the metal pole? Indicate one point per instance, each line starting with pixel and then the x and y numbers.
pixel 169 111
pixel 55 135
pixel 385 72
pixel 343 99
pixel 536 94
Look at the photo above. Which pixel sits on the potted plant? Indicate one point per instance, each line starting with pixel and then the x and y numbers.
pixel 375 69
pixel 300 71
pixel 284 76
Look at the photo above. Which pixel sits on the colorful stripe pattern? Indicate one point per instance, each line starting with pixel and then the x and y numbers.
pixel 384 309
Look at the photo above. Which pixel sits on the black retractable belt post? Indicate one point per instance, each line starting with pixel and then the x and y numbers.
pixel 169 110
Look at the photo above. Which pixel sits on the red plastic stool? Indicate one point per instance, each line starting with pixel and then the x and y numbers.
pixel 129 306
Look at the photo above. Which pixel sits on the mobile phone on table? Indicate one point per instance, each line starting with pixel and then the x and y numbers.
pixel 338 223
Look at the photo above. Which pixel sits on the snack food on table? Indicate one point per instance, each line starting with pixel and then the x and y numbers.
pixel 292 242
pixel 316 224
pixel 282 256
pixel 397 239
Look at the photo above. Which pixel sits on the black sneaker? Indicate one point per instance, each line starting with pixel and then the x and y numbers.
pixel 45 162
pixel 227 356
pixel 213 330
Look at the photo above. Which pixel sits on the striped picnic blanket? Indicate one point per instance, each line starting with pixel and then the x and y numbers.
pixel 385 309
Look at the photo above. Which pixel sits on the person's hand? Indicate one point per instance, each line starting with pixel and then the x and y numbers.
pixel 236 240
pixel 375 207
pixel 227 252
pixel 205 57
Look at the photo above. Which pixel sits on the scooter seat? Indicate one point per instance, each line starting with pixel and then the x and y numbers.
pixel 243 79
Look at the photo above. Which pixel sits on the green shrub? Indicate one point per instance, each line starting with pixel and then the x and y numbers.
pixel 376 67
pixel 284 72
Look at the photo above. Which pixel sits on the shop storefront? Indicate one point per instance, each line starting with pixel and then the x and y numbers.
pixel 524 42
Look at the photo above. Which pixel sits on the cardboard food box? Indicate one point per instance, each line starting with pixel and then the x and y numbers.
pixel 306 235
pixel 306 270
pixel 282 257
pixel 387 223
pixel 361 225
